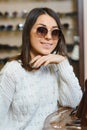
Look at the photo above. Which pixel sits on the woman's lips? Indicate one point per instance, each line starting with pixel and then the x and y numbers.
pixel 46 45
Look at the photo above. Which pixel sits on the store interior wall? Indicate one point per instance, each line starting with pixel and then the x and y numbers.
pixel 17 5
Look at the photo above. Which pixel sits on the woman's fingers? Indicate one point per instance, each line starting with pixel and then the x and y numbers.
pixel 38 61
pixel 49 59
pixel 35 59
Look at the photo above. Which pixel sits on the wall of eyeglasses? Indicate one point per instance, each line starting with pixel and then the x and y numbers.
pixel 12 17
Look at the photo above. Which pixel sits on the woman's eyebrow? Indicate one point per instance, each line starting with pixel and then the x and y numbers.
pixel 55 26
pixel 41 24
pixel 46 26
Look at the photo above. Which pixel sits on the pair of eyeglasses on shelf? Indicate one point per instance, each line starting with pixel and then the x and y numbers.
pixel 65 25
pixel 68 14
pixel 6 27
pixel 14 14
pixel 19 27
pixel 8 47
pixel 10 27
pixel 7 14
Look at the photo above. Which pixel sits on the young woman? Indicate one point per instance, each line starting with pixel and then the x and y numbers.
pixel 33 83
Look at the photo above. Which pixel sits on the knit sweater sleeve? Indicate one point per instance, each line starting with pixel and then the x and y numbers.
pixel 7 89
pixel 70 92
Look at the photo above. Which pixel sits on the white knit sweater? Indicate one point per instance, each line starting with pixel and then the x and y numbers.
pixel 27 98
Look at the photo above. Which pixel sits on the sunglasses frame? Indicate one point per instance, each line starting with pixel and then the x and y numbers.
pixel 42 32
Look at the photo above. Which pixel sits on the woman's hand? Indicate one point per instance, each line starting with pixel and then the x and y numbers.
pixel 38 61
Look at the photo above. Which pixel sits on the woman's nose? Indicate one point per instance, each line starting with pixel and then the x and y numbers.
pixel 48 35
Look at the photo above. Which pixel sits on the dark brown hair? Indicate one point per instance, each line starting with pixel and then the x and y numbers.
pixel 30 21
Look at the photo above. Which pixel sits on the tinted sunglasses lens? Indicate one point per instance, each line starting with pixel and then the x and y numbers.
pixel 56 34
pixel 42 31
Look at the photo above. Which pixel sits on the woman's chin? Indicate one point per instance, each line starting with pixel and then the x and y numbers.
pixel 46 52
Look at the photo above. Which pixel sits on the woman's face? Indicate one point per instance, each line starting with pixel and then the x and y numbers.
pixel 42 42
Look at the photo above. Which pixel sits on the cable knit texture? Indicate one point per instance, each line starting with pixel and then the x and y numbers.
pixel 27 98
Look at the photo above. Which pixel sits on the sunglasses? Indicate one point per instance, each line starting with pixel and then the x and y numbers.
pixel 42 32
pixel 6 27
